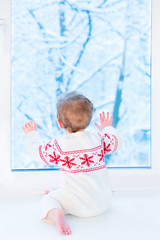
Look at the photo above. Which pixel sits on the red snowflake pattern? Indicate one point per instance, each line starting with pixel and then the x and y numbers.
pixel 87 160
pixel 107 148
pixel 68 162
pixel 54 159
pixel 106 135
pixel 48 145
pixel 101 156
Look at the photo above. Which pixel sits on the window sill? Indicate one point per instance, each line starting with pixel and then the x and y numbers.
pixel 36 182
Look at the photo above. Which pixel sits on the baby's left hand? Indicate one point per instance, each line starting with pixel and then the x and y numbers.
pixel 28 127
pixel 105 121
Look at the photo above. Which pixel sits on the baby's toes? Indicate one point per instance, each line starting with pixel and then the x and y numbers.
pixel 68 230
pixel 62 231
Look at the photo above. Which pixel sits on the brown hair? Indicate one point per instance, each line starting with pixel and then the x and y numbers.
pixel 74 110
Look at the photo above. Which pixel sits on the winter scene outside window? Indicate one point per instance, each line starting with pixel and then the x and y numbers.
pixel 101 48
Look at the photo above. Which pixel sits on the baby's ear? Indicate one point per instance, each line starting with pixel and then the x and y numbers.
pixel 60 123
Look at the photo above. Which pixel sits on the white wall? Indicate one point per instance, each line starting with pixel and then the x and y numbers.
pixel 155 81
pixel 4 87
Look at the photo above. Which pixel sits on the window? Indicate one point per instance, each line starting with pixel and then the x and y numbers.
pixel 37 181
pixel 101 48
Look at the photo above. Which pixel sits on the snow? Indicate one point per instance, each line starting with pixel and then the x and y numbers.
pixel 100 48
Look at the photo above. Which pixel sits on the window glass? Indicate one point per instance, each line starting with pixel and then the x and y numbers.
pixel 100 48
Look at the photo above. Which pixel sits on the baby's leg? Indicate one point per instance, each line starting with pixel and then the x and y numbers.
pixel 53 211
pixel 58 217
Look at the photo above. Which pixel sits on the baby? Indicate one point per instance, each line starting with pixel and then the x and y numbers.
pixel 79 154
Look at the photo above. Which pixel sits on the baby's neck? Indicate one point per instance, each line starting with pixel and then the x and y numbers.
pixel 68 132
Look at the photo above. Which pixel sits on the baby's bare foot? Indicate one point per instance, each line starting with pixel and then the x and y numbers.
pixel 59 218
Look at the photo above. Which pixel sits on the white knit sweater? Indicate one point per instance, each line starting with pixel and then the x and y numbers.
pixel 86 190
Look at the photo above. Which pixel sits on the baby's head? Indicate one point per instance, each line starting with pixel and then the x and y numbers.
pixel 74 111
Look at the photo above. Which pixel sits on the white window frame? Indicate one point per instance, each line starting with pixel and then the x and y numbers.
pixel 36 181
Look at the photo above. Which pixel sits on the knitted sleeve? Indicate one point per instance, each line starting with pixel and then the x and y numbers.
pixel 110 139
pixel 46 153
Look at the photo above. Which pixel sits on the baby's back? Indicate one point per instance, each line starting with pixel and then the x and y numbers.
pixel 88 192
pixel 79 141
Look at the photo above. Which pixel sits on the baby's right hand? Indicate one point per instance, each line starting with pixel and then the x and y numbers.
pixel 28 127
